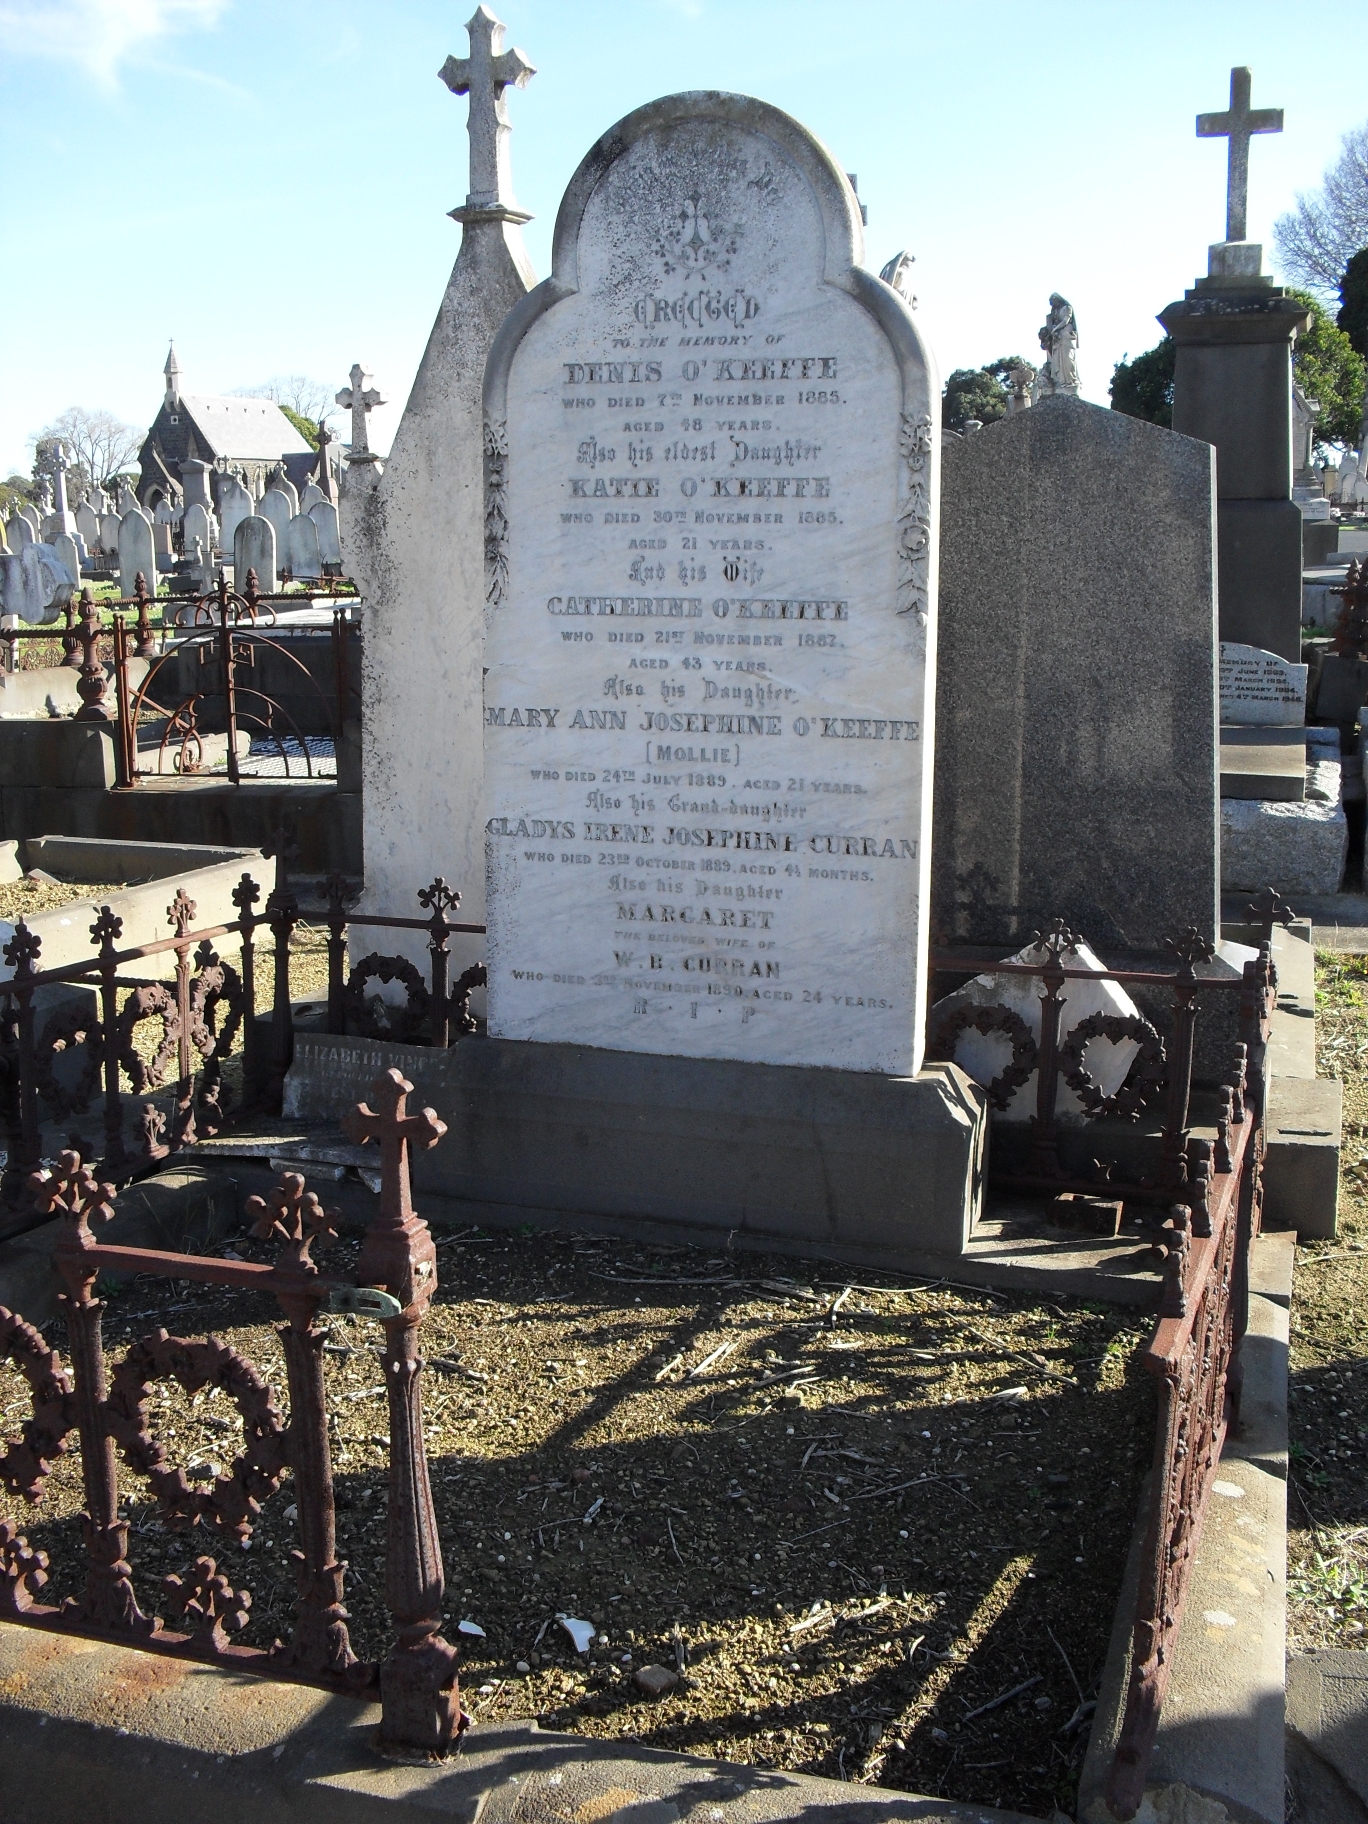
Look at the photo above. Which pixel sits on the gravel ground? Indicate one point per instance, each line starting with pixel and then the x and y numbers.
pixel 22 898
pixel 852 1516
pixel 1328 1508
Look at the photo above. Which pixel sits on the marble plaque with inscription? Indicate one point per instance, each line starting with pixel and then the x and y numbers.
pixel 1259 689
pixel 711 495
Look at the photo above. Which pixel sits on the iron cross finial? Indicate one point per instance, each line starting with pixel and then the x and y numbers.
pixel 1237 124
pixel 484 76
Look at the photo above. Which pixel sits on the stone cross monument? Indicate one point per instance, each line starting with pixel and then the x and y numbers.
pixel 1237 124
pixel 484 76
pixel 1232 387
pixel 359 399
pixel 413 537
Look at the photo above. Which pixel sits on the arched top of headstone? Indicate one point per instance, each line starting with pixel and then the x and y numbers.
pixel 723 186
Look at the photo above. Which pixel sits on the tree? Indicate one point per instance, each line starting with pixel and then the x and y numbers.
pixel 1353 291
pixel 1329 369
pixel 98 444
pixel 15 492
pixel 1143 388
pixel 1317 239
pixel 306 403
pixel 979 392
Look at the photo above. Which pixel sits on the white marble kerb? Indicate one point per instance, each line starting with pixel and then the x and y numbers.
pixel 1260 689
pixel 711 491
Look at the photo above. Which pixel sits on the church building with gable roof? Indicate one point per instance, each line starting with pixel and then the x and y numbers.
pixel 249 438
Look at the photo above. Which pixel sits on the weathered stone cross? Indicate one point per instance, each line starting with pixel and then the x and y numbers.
pixel 484 76
pixel 358 398
pixel 1237 124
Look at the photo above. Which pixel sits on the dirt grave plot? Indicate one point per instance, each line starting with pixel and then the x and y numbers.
pixel 862 1531
pixel 1327 1511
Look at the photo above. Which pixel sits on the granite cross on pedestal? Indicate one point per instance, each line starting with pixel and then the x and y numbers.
pixel 358 398
pixel 1237 124
pixel 484 76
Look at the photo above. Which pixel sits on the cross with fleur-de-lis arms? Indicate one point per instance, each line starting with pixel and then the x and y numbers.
pixel 73 1192
pixel 295 1216
pixel 21 952
pixel 107 929
pixel 390 1123
pixel 1058 940
pixel 181 912
pixel 1190 947
pixel 484 76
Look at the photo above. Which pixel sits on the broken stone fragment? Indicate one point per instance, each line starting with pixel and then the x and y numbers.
pixel 655 1681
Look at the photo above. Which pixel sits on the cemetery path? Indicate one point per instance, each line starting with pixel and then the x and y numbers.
pixel 1327 1570
pixel 875 1532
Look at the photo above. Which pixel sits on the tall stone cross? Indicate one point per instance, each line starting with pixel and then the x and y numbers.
pixel 484 76
pixel 358 398
pixel 1237 125
pixel 326 485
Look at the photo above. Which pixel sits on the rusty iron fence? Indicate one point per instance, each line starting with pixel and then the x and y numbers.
pixel 106 1405
pixel 225 635
pixel 1200 1206
pixel 57 1064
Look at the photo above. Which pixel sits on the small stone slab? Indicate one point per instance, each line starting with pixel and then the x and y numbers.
pixel 655 1681
pixel 1260 689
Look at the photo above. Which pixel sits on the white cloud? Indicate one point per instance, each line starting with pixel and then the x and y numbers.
pixel 98 35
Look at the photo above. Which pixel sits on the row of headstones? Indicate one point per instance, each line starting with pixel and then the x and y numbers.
pixel 303 541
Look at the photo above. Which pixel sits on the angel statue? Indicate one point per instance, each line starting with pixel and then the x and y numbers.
pixel 1059 338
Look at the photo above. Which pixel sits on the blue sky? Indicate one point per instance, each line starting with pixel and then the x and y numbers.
pixel 268 179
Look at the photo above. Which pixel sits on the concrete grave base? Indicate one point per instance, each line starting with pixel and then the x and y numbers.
pixel 1299 848
pixel 1327 1714
pixel 101 1732
pixel 866 1168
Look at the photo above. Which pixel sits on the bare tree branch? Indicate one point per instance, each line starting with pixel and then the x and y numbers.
pixel 1317 239
pixel 100 444
pixel 310 398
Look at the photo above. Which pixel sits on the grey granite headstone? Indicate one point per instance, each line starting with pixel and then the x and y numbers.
pixel 254 548
pixel 136 551
pixel 1076 732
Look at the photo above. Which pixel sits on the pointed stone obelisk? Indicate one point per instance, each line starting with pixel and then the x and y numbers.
pixel 413 538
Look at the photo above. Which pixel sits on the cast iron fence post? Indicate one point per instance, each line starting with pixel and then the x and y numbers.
pixel 335 887
pixel 21 952
pixel 125 747
pixel 73 1194
pixel 180 914
pixel 245 895
pixel 70 644
pixel 106 931
pixel 1044 1149
pixel 145 648
pixel 92 683
pixel 419 1693
pixel 282 912
pixel 294 1215
pixel 439 899
pixel 1189 947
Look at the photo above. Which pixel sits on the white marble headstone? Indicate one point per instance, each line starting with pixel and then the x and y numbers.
pixel 109 532
pixel 301 544
pixel 711 491
pixel 1258 689
pixel 324 516
pixel 19 530
pixel 235 505
pixel 254 548
pixel 136 551
pixel 197 527
pixel 34 583
pixel 276 505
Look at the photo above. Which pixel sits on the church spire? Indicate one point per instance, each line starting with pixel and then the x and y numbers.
pixel 172 372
